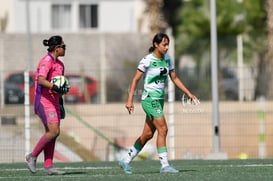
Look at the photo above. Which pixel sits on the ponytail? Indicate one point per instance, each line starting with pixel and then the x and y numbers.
pixel 52 42
pixel 151 49
pixel 45 42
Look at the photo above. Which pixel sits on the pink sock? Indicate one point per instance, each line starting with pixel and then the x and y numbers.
pixel 49 153
pixel 40 145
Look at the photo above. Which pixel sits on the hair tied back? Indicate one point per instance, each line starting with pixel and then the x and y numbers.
pixel 45 42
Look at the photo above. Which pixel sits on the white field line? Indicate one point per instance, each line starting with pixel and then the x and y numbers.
pixel 247 165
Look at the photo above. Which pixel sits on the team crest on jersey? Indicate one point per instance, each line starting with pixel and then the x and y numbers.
pixel 42 65
pixel 51 115
pixel 154 64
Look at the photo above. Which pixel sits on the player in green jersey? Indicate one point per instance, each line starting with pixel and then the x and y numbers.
pixel 155 68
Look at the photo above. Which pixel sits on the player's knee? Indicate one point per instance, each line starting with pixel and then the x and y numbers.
pixel 149 135
pixel 54 133
pixel 163 130
pixel 57 133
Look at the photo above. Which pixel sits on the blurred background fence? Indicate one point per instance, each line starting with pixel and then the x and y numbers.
pixel 97 125
pixel 102 131
pixel 105 41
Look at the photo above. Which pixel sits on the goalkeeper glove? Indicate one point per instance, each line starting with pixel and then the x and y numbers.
pixel 60 90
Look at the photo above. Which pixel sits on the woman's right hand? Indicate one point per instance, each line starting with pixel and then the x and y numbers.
pixel 130 107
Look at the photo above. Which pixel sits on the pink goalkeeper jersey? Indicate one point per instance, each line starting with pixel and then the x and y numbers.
pixel 47 68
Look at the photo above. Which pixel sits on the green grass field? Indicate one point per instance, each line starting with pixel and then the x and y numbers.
pixel 198 170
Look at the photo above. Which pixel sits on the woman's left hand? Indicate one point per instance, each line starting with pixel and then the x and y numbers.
pixel 194 99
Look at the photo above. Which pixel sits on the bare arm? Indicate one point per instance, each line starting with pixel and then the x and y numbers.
pixel 180 85
pixel 44 82
pixel 130 105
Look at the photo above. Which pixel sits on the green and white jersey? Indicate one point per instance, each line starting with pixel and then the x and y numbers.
pixel 155 72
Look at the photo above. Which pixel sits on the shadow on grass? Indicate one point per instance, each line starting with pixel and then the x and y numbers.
pixel 74 173
pixel 66 173
pixel 187 171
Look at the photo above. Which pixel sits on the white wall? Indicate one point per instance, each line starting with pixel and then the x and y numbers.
pixel 19 17
pixel 40 17
pixel 117 16
pixel 113 15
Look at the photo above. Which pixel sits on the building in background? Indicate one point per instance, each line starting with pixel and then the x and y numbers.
pixel 73 16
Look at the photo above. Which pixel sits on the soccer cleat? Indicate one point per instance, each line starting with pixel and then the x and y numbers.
pixel 125 166
pixel 31 163
pixel 53 171
pixel 168 169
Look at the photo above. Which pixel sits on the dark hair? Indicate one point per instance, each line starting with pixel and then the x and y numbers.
pixel 158 39
pixel 52 42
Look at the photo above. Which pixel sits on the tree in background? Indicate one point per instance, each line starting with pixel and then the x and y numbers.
pixel 163 14
pixel 256 43
pixel 246 17
pixel 3 23
pixel 193 38
pixel 171 13
pixel 270 43
pixel 156 18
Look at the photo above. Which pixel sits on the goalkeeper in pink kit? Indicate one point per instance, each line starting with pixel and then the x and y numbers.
pixel 48 104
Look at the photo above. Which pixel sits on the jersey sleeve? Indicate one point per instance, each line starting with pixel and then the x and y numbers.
pixel 143 65
pixel 44 67
pixel 170 62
